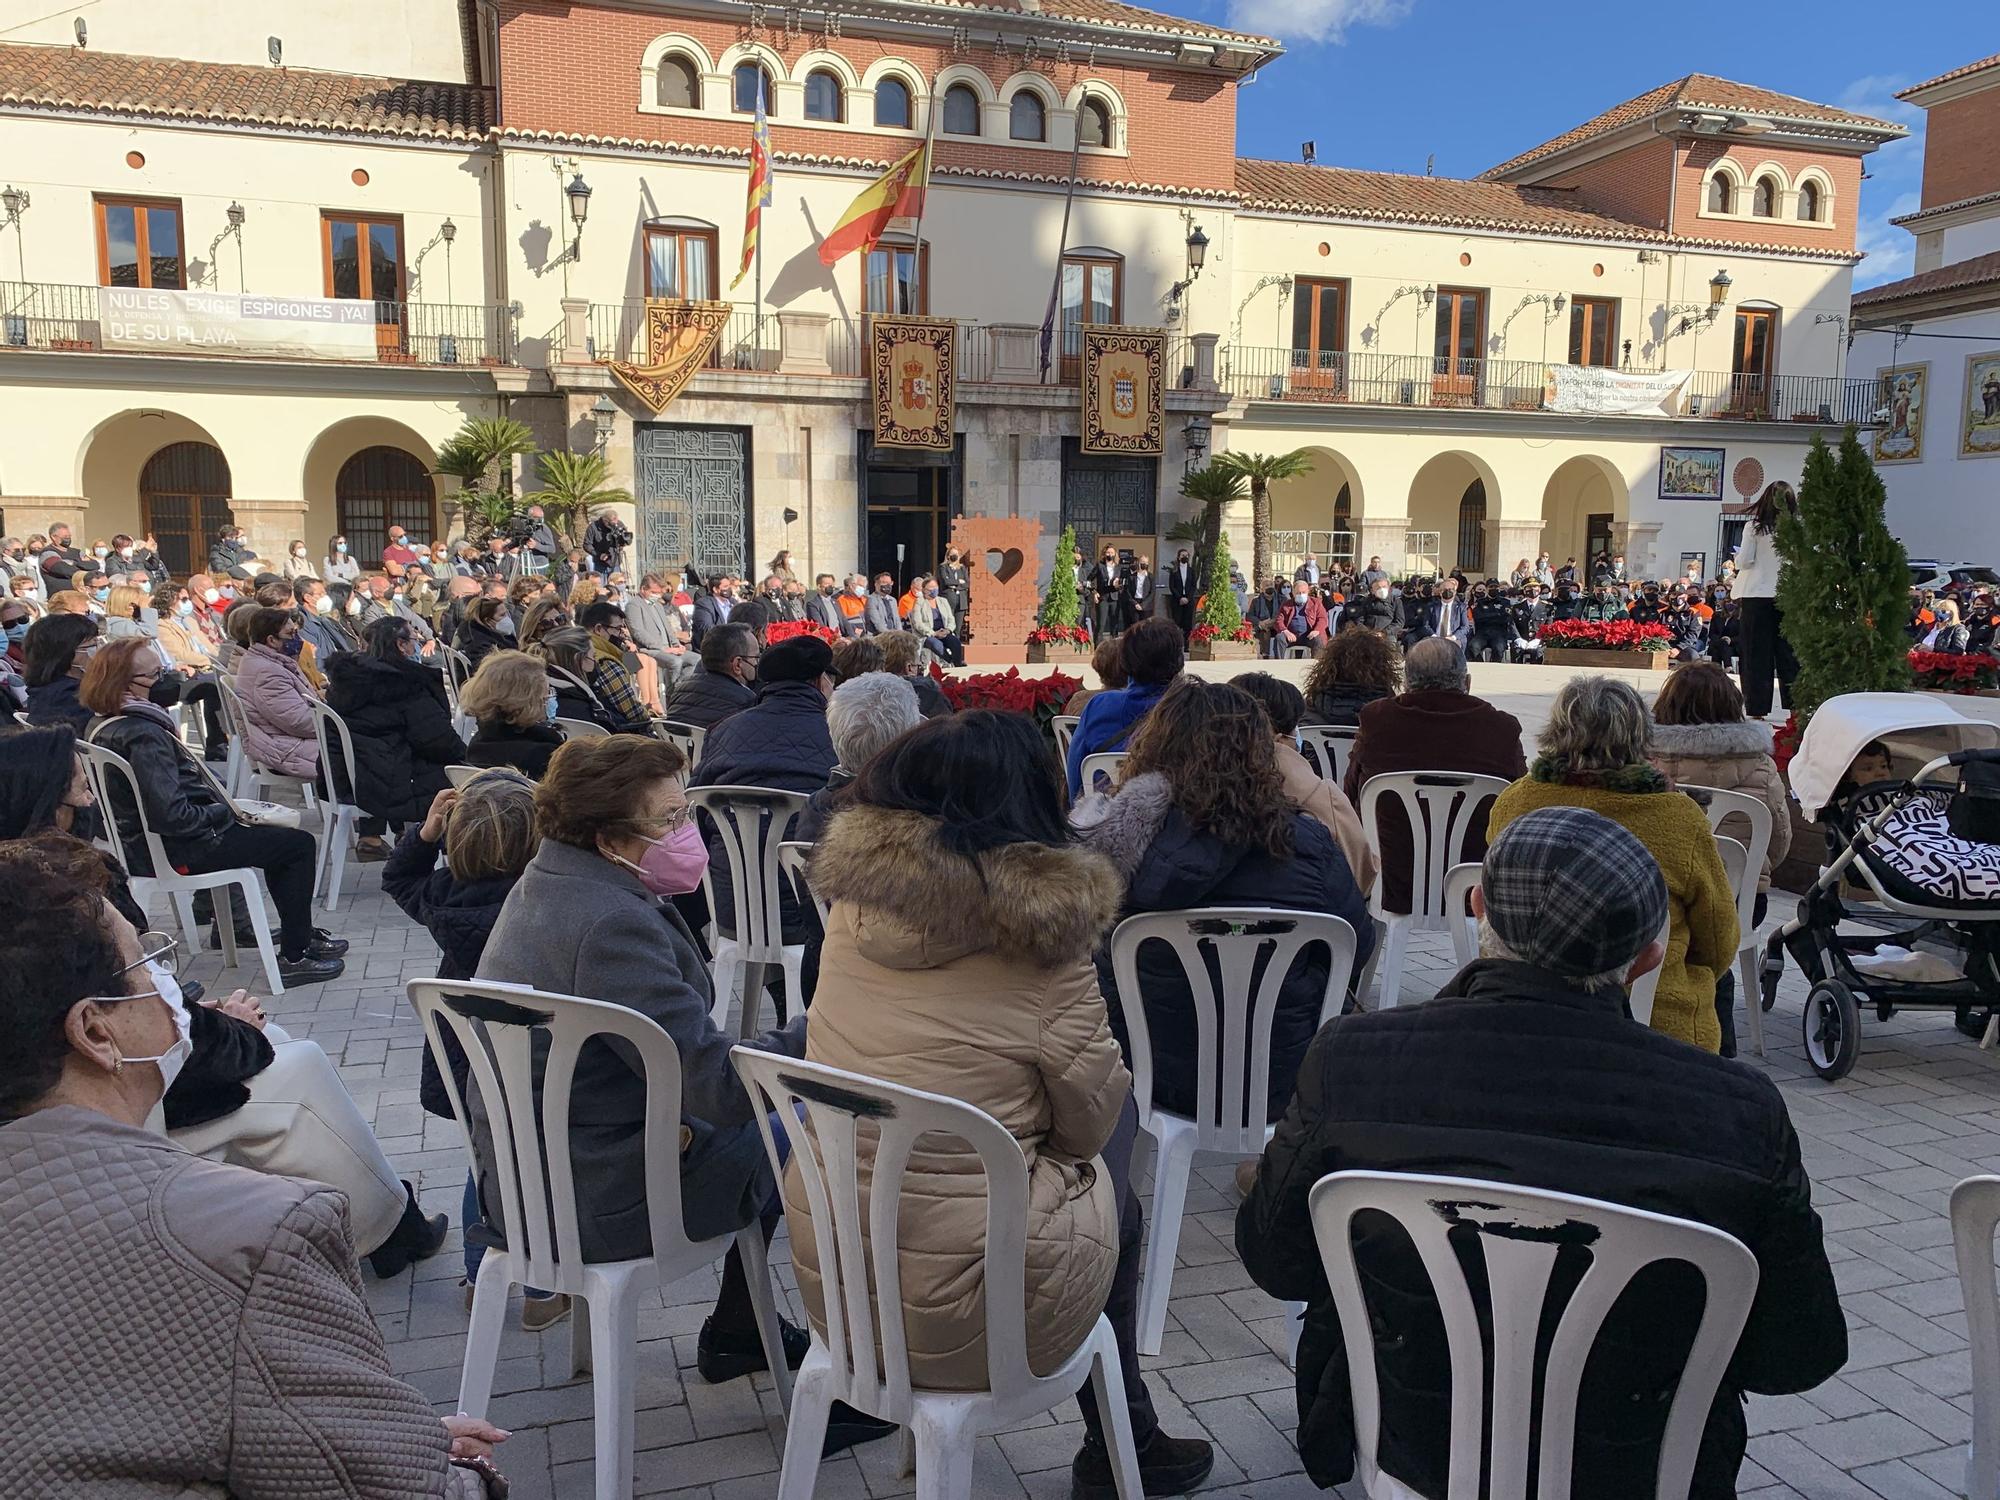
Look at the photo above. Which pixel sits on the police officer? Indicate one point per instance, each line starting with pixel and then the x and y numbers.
pixel 1530 614
pixel 1647 608
pixel 1492 624
pixel 1567 604
pixel 1604 604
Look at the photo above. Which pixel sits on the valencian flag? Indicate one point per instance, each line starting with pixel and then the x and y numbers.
pixel 897 194
pixel 760 189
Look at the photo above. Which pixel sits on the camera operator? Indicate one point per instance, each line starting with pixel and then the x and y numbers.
pixel 606 539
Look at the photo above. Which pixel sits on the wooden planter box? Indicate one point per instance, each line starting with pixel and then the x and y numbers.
pixel 1222 651
pixel 1625 661
pixel 1039 654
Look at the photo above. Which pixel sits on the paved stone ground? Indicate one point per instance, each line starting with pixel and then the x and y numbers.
pixel 1884 1147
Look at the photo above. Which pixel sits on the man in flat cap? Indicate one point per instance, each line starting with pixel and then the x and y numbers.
pixel 1527 1069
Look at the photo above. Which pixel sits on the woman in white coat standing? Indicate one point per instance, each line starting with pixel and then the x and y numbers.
pixel 1762 632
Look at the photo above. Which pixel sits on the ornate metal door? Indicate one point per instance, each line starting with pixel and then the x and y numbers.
pixel 693 489
pixel 1108 495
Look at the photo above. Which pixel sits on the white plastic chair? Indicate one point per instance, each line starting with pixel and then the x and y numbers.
pixel 582 729
pixel 1104 762
pixel 1233 1066
pixel 1647 985
pixel 1446 810
pixel 1064 726
pixel 1743 886
pixel 1458 883
pixel 497 1026
pixel 793 856
pixel 1327 747
pixel 1975 1209
pixel 100 767
pixel 750 822
pixel 338 816
pixel 454 676
pixel 1621 1243
pixel 1749 958
pixel 687 738
pixel 459 775
pixel 243 774
pixel 863 1357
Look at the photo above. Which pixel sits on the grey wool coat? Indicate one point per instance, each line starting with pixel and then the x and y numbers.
pixel 577 924
pixel 181 1328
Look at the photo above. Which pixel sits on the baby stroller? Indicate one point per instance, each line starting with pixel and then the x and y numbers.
pixel 1922 847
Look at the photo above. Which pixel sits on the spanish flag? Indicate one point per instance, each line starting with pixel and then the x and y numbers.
pixel 897 194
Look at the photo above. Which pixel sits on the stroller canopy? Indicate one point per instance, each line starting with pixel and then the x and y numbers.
pixel 1913 725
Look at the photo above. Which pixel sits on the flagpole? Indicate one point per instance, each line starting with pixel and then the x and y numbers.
pixel 758 288
pixel 1062 249
pixel 917 255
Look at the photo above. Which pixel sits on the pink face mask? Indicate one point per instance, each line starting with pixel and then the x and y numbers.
pixel 673 865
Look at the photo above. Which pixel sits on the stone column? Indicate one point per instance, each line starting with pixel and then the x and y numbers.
pixel 802 343
pixel 1639 540
pixel 576 330
pixel 1204 361
pixel 269 527
pixel 1381 536
pixel 1508 541
pixel 1015 352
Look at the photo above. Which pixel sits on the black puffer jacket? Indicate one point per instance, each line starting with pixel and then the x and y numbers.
pixel 54 702
pixel 498 743
pixel 459 917
pixel 401 724
pixel 704 698
pixel 475 642
pixel 1169 865
pixel 182 804
pixel 1512 1076
pixel 1341 704
pixel 780 741
pixel 1375 614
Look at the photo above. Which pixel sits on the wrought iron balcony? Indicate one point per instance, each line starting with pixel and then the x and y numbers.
pixel 88 319
pixel 1526 385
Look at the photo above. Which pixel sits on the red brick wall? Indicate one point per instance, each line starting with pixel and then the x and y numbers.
pixel 1634 184
pixel 1698 156
pixel 575 67
pixel 1962 149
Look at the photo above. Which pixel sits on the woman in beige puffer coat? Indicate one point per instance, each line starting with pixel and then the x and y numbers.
pixel 1700 738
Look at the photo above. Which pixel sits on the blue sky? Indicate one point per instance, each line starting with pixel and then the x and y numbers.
pixel 1385 83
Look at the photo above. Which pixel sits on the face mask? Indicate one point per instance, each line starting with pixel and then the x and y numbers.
pixel 184 607
pixel 860 590
pixel 292 647
pixel 298 552
pixel 17 632
pixel 228 591
pixel 126 553
pixel 210 596
pixel 930 593
pixel 504 624
pixel 175 1057
pixel 353 605
pixel 1298 598
pixel 101 551
pixel 101 594
pixel 1381 593
pixel 673 865
pixel 549 709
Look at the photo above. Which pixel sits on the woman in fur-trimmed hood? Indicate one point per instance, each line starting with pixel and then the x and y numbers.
pixel 957 960
pixel 1700 738
pixel 1594 750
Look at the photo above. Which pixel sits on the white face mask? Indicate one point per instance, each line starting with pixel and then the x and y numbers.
pixel 126 553
pixel 323 605
pixel 353 605
pixel 860 590
pixel 209 596
pixel 340 547
pixel 168 988
pixel 298 552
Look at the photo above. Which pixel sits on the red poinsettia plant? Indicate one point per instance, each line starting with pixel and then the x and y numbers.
pixel 785 630
pixel 1785 742
pixel 1059 635
pixel 1606 635
pixel 1943 672
pixel 1042 697
pixel 1201 635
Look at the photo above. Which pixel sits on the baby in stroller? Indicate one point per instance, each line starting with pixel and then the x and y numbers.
pixel 1922 846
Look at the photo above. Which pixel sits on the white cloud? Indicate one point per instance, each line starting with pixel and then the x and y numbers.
pixel 1314 20
pixel 1895 178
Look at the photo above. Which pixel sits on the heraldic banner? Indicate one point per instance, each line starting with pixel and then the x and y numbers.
pixel 914 365
pixel 1124 389
pixel 680 336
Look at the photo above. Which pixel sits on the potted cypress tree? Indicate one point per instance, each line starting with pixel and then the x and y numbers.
pixel 1059 627
pixel 1220 632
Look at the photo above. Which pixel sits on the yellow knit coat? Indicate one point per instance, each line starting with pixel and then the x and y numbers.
pixel 1703 939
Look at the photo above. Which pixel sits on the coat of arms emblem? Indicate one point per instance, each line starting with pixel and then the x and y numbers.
pixel 1124 392
pixel 916 389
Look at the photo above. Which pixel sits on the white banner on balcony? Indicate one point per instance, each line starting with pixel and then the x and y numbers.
pixel 1597 390
pixel 236 323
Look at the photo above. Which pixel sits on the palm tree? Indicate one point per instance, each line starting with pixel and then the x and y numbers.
pixel 1217 488
pixel 471 455
pixel 573 485
pixel 1260 469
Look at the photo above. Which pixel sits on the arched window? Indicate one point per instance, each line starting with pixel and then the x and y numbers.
pixel 823 96
pixel 1093 123
pixel 1764 198
pixel 1721 194
pixel 1472 528
pixel 1809 202
pixel 1028 117
pixel 748 80
pixel 677 85
pixel 961 110
pixel 1343 522
pixel 892 104
pixel 184 494
pixel 382 487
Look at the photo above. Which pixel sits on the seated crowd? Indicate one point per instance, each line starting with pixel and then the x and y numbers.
pixel 971 883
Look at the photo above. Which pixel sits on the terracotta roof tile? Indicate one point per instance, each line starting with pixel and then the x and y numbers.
pixel 1921 215
pixel 1978 271
pixel 1432 200
pixel 1697 91
pixel 1953 76
pixel 1113 13
pixel 71 79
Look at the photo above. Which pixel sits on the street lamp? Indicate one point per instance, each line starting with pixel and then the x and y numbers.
pixel 1718 291
pixel 1195 437
pixel 1197 253
pixel 578 193
pixel 234 213
pixel 13 200
pixel 605 415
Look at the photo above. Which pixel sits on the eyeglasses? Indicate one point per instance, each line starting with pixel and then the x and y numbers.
pixel 671 822
pixel 154 946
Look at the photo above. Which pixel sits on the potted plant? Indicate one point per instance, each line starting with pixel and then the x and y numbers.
pixel 1059 627
pixel 1220 632
pixel 1042 697
pixel 1626 644
pixel 483 450
pixel 1972 674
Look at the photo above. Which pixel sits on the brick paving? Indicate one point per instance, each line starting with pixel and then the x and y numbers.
pixel 1884 1146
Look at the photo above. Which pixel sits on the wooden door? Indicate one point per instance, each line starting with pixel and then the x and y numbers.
pixel 1459 339
pixel 1752 360
pixel 364 261
pixel 184 493
pixel 1091 292
pixel 1319 338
